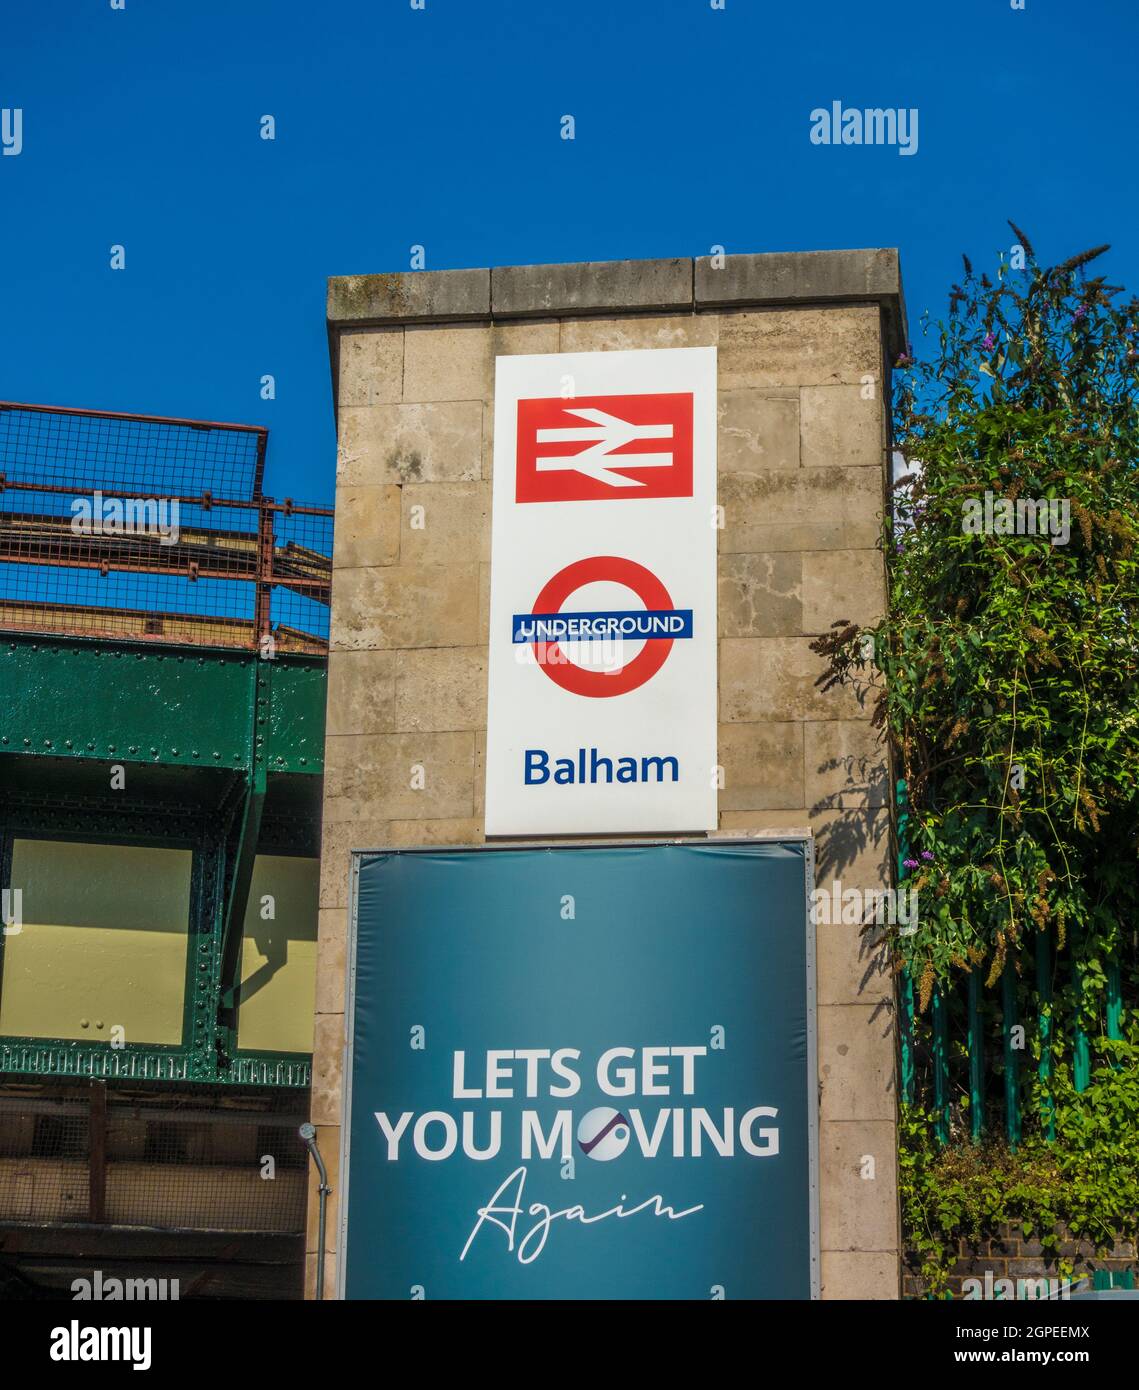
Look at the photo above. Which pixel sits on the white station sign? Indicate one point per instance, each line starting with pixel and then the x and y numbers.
pixel 602 698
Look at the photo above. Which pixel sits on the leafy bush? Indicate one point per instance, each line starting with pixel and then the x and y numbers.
pixel 1005 676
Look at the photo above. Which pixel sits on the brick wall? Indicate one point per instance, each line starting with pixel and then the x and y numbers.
pixel 1009 1256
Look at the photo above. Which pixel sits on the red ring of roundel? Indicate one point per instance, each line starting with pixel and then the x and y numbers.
pixel 647 662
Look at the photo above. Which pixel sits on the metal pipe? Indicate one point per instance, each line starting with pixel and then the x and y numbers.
pixel 907 980
pixel 1012 1062
pixel 308 1135
pixel 1081 1049
pixel 1044 1027
pixel 131 415
pixel 1114 1000
pixel 976 1059
pixel 941 1065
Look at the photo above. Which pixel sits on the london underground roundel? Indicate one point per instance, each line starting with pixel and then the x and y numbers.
pixel 602 684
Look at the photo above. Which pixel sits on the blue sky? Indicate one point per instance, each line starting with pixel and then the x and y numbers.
pixel 440 127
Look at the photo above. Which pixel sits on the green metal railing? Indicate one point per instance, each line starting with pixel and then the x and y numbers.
pixel 1040 1024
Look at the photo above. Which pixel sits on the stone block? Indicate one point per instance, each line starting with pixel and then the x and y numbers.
pixel 856 1061
pixel 852 964
pixel 361 692
pixel 852 850
pixel 445 523
pixel 331 948
pixel 452 831
pixel 448 364
pixel 404 606
pixel 371 367
pixel 483 630
pixel 842 584
pixel 432 442
pixel 367 527
pixel 763 766
pixel 590 287
pixel 327 1069
pixel 441 688
pixel 480 774
pixel 627 333
pixel 790 276
pixel 760 595
pixel 757 430
pixel 329 1275
pixel 405 776
pixel 794 822
pixel 856 1212
pixel 409 296
pixel 853 847
pixel 808 277
pixel 800 509
pixel 773 679
pixel 539 336
pixel 861 1275
pixel 846 765
pixel 839 429
pixel 338 839
pixel 799 347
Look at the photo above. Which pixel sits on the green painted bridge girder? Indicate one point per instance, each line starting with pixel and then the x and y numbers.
pixel 169 705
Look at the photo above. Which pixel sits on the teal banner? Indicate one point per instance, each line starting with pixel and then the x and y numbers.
pixel 581 1072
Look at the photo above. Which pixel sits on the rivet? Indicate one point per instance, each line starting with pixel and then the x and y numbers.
pixel 98 1023
pixel 83 1023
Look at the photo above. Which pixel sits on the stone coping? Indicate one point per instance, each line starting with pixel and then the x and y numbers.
pixel 681 285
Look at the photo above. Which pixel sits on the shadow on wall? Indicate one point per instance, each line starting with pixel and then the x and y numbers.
pixel 852 832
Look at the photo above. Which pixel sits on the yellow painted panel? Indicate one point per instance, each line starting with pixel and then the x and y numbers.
pixel 103 944
pixel 278 956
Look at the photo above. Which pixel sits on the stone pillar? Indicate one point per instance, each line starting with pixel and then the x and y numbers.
pixel 804 345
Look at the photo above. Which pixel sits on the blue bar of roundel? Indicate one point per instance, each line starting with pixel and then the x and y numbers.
pixel 544 627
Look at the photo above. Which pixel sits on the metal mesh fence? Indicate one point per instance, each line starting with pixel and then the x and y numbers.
pixel 145 528
pixel 153 1160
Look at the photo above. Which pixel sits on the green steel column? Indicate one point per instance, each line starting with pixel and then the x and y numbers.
pixel 940 1066
pixel 976 1059
pixel 246 854
pixel 1012 1061
pixel 1114 1001
pixel 1044 1004
pixel 1081 1050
